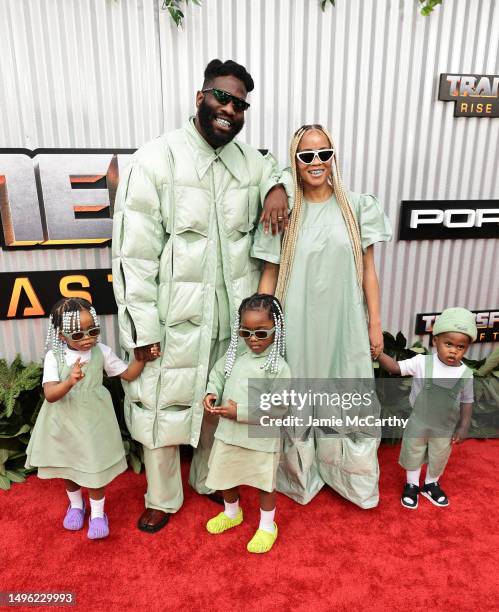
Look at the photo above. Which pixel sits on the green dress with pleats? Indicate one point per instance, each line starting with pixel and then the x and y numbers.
pixel 78 437
pixel 327 337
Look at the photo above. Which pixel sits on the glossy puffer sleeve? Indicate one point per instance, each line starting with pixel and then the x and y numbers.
pixel 138 241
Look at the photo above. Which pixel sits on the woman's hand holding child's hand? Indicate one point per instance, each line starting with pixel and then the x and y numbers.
pixel 76 373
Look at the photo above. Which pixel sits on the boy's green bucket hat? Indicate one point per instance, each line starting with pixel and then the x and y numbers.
pixel 456 320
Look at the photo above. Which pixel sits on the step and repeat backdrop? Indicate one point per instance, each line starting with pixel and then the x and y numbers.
pixel 412 102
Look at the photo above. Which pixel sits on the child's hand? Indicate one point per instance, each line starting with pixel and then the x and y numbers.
pixel 209 402
pixel 229 411
pixel 459 435
pixel 76 373
pixel 155 351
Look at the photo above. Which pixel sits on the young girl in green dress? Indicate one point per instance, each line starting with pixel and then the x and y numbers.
pixel 236 457
pixel 76 435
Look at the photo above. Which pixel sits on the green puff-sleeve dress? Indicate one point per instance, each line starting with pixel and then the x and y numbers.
pixel 327 337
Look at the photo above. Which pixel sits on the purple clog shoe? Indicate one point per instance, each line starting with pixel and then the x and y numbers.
pixel 74 519
pixel 98 527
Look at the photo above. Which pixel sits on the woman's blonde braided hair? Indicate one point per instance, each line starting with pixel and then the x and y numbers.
pixel 291 234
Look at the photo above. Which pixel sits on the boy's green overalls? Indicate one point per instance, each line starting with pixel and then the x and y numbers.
pixel 435 415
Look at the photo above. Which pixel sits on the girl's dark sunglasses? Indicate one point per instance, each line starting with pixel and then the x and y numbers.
pixel 93 332
pixel 224 98
pixel 261 334
pixel 307 157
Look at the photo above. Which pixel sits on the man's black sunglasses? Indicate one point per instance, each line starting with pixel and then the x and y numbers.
pixel 225 97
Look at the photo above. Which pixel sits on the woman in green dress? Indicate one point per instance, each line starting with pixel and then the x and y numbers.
pixel 329 287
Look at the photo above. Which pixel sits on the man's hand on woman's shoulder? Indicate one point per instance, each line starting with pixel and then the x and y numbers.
pixel 275 210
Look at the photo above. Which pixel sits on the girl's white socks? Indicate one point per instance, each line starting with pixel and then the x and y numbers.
pixel 231 509
pixel 75 499
pixel 97 508
pixel 267 520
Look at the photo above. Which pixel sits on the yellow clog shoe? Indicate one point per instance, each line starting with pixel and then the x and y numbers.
pixel 221 522
pixel 262 541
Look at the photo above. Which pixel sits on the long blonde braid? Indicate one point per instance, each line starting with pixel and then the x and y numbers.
pixel 291 234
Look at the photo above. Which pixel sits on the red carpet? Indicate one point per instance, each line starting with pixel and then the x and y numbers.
pixel 329 555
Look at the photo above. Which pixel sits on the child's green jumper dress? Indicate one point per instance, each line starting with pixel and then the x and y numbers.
pixel 78 437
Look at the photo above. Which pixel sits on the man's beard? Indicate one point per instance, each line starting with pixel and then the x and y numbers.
pixel 216 139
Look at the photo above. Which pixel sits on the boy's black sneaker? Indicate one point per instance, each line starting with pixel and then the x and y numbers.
pixel 409 497
pixel 434 493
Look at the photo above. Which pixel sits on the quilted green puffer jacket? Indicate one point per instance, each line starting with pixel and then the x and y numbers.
pixel 175 201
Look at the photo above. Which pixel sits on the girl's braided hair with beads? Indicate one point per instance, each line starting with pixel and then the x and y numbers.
pixel 65 318
pixel 270 304
pixel 291 234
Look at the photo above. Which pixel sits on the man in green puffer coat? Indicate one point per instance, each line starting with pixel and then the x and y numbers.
pixel 186 250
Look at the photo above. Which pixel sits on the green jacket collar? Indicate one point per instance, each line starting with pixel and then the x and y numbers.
pixel 250 353
pixel 230 154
